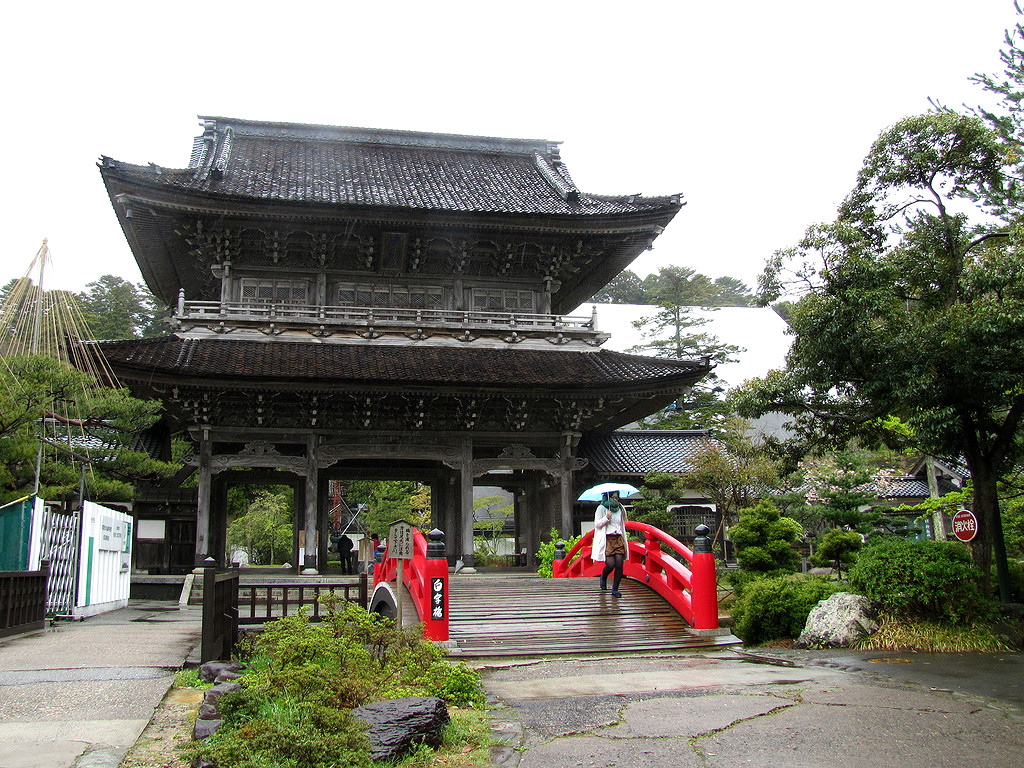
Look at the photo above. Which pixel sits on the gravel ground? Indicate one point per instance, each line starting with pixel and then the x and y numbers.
pixel 169 730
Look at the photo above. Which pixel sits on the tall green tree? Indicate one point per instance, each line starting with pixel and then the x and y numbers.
pixel 915 310
pixel 732 470
pixel 386 501
pixel 263 529
pixel 117 309
pixel 673 331
pixel 687 287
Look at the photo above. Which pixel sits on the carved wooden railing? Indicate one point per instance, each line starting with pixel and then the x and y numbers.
pixel 425 575
pixel 373 321
pixel 684 577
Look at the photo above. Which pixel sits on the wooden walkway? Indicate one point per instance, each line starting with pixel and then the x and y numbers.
pixel 525 615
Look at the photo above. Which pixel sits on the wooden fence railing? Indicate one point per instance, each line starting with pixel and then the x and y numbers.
pixel 227 604
pixel 258 603
pixel 220 612
pixel 23 600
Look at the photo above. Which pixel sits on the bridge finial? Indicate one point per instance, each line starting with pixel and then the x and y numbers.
pixel 435 545
pixel 702 540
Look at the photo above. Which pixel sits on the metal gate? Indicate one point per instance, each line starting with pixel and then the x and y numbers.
pixel 61 546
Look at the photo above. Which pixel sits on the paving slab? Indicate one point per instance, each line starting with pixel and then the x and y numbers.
pixel 724 710
pixel 79 694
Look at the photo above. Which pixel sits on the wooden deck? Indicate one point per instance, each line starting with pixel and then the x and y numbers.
pixel 525 615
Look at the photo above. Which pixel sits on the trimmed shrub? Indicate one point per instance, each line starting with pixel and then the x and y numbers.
pixel 763 539
pixel 837 548
pixel 776 607
pixel 925 579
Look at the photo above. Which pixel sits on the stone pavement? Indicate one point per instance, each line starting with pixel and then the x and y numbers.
pixel 80 693
pixel 728 708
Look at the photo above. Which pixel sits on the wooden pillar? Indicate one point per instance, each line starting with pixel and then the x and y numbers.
pixel 203 499
pixel 466 503
pixel 565 486
pixel 218 542
pixel 532 518
pixel 323 506
pixel 450 512
pixel 312 496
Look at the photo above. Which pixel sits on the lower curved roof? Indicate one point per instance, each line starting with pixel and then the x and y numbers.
pixel 297 363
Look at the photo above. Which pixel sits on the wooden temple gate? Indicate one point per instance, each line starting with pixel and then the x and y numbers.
pixel 397 305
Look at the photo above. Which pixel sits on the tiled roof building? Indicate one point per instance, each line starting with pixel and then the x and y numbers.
pixel 367 303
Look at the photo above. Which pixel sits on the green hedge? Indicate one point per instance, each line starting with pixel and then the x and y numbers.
pixel 926 579
pixel 776 607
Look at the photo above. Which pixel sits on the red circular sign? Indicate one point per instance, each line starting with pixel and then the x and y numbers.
pixel 965 525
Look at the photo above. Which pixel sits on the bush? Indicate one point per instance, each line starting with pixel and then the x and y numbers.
pixel 776 607
pixel 1016 580
pixel 920 579
pixel 546 553
pixel 302 679
pixel 763 539
pixel 836 549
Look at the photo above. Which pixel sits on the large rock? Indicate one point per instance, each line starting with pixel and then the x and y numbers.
pixel 211 671
pixel 838 622
pixel 396 726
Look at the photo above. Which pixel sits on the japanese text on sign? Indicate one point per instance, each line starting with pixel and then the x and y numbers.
pixel 965 525
pixel 437 599
pixel 400 541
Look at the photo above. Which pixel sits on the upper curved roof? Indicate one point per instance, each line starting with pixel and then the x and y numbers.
pixel 327 165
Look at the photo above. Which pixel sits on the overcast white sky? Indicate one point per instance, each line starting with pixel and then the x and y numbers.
pixel 759 113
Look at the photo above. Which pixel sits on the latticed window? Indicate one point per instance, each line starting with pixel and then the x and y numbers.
pixel 271 291
pixel 686 518
pixel 501 300
pixel 397 296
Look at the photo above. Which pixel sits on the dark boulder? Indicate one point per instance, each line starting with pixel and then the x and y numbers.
pixel 211 670
pixel 204 728
pixel 398 725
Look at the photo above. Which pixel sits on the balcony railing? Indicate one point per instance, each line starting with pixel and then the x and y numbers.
pixel 371 322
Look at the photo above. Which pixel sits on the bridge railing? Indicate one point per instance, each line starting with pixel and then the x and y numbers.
pixel 425 575
pixel 684 577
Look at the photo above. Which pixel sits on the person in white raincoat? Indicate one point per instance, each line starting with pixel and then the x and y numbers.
pixel 610 539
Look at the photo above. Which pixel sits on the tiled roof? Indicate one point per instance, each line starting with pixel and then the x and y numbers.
pixel 898 488
pixel 298 163
pixel 287 361
pixel 644 450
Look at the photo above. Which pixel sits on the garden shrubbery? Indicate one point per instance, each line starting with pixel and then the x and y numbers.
pixel 776 607
pixel 546 553
pixel 302 679
pixel 920 579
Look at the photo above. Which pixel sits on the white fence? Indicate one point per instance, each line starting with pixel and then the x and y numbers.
pixel 90 557
pixel 104 570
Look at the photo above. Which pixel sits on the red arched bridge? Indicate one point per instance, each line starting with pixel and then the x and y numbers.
pixel 669 600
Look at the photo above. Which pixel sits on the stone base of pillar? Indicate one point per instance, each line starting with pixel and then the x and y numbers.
pixel 310 572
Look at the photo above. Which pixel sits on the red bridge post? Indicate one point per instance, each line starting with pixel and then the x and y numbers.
pixel 704 583
pixel 435 617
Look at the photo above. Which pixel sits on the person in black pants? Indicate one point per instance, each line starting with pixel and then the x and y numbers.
pixel 610 539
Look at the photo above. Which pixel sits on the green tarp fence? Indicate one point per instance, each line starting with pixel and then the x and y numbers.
pixel 15 534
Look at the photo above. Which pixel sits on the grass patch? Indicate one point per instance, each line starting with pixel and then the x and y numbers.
pixel 897 634
pixel 467 743
pixel 189 678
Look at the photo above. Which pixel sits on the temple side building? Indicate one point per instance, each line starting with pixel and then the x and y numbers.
pixel 371 304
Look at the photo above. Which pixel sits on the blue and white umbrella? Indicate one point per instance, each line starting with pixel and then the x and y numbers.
pixel 594 494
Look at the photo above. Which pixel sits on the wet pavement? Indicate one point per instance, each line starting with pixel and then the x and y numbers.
pixel 80 693
pixel 770 708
